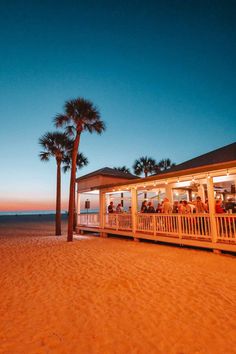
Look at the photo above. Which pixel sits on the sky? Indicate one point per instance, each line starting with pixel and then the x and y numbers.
pixel 162 74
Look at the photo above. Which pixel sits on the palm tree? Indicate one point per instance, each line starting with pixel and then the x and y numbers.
pixel 165 164
pixel 144 165
pixel 55 145
pixel 122 169
pixel 81 161
pixel 80 115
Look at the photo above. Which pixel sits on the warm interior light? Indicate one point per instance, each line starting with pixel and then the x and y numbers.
pixel 227 173
pixel 193 179
pixel 166 182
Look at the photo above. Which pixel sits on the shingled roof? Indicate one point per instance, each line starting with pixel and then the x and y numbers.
pixel 223 154
pixel 110 172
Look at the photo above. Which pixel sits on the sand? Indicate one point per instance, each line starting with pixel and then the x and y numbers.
pixel 112 296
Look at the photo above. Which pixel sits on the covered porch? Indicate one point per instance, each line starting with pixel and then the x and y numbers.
pixel 209 181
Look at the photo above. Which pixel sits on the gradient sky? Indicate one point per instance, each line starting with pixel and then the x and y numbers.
pixel 161 72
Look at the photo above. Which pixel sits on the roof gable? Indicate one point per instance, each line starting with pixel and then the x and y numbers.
pixel 110 172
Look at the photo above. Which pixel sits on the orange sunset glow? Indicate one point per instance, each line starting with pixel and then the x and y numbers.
pixel 19 205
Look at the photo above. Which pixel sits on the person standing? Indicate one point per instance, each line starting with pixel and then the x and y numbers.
pixel 111 208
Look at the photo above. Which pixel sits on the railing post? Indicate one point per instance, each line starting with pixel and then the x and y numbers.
pixel 211 202
pixel 180 231
pixel 154 225
pixel 117 222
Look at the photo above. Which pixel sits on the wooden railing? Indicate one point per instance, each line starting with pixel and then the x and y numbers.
pixel 118 221
pixel 195 226
pixel 226 227
pixel 185 226
pixel 91 220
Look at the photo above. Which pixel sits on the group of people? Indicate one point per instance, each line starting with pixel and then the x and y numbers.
pixel 180 207
pixel 111 208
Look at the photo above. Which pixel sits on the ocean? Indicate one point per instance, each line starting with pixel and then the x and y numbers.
pixel 42 212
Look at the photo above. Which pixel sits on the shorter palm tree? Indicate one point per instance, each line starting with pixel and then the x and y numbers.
pixel 55 145
pixel 122 169
pixel 144 165
pixel 81 161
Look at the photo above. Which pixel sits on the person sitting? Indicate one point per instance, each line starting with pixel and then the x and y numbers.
pixel 166 208
pixel 175 207
pixel 218 207
pixel 119 208
pixel 150 208
pixel 144 207
pixel 111 208
pixel 159 208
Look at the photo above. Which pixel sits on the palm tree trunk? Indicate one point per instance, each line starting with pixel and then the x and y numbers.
pixel 58 200
pixel 72 189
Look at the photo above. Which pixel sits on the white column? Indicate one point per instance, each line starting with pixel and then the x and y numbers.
pixel 78 207
pixel 134 207
pixel 169 193
pixel 211 202
pixel 101 208
pixel 201 192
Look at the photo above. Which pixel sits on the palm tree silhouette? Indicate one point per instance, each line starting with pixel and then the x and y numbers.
pixel 165 164
pixel 80 116
pixel 55 145
pixel 122 169
pixel 144 165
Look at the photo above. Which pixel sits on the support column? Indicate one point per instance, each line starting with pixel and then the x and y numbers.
pixel 211 201
pixel 101 212
pixel 134 208
pixel 78 205
pixel 201 192
pixel 169 193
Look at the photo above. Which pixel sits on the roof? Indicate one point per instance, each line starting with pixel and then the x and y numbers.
pixel 110 172
pixel 223 154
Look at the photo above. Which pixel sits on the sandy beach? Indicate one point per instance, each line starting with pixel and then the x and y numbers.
pixel 105 296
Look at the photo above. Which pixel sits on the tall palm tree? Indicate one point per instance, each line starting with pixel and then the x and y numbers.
pixel 122 169
pixel 165 164
pixel 81 161
pixel 80 116
pixel 55 145
pixel 144 165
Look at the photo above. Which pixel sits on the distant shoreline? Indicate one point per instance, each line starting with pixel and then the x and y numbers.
pixel 30 218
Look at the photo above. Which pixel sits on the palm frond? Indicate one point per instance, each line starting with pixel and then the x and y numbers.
pixel 44 156
pixel 122 169
pixel 60 120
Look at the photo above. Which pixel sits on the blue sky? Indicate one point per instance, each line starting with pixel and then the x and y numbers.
pixel 161 72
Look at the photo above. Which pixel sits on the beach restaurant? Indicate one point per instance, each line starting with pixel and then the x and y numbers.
pixel 211 177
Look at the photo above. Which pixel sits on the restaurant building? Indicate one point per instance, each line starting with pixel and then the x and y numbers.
pixel 211 177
